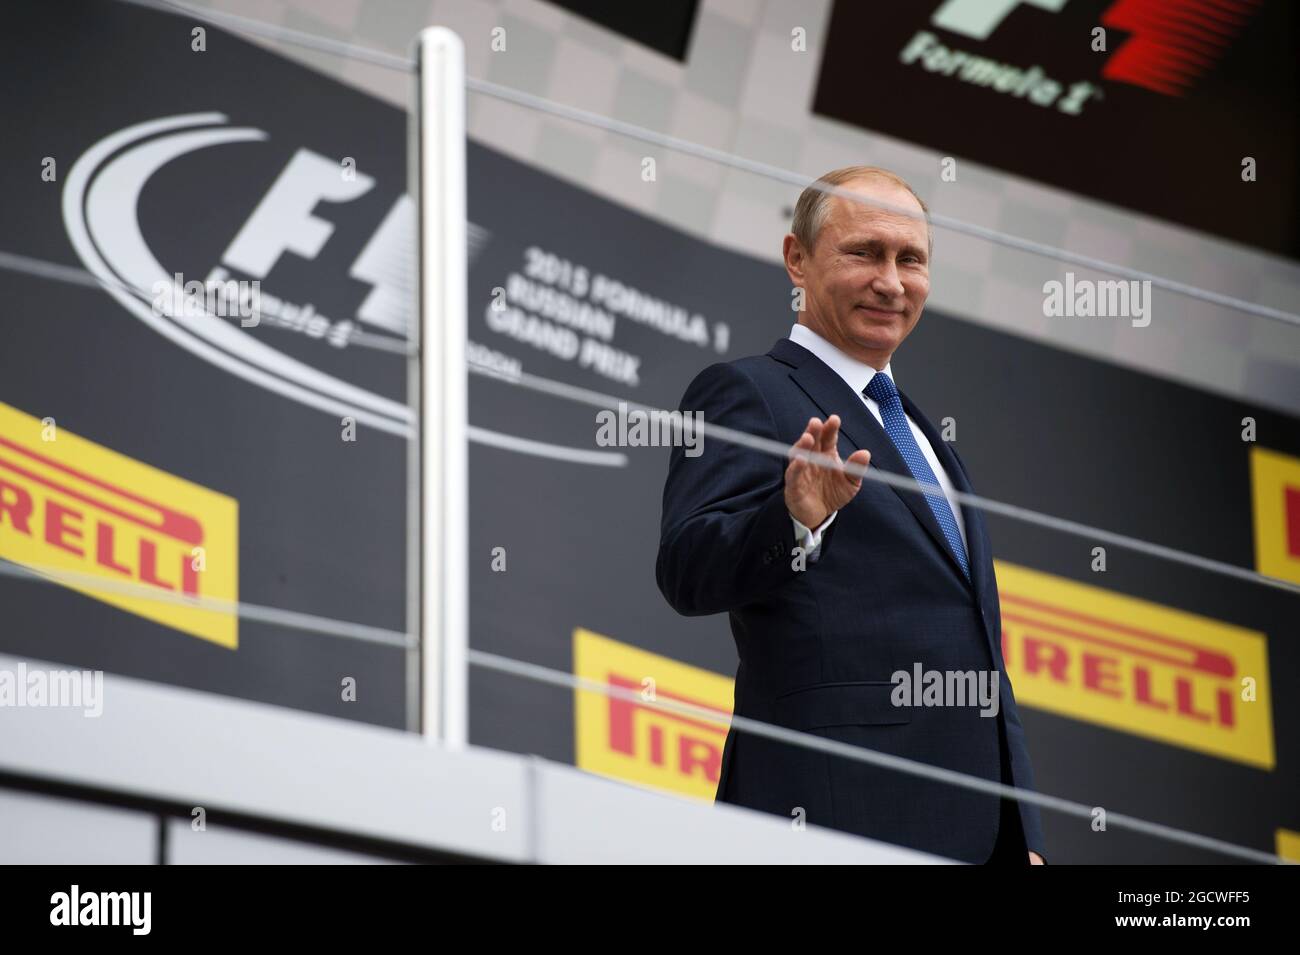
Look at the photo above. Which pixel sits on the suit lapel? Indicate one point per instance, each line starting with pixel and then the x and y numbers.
pixel 978 546
pixel 859 427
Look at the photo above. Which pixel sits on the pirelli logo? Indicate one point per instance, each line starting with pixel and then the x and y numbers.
pixel 1275 509
pixel 1136 666
pixel 638 743
pixel 75 510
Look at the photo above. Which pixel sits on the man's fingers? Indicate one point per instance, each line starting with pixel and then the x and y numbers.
pixel 829 439
pixel 822 438
pixel 798 465
pixel 861 458
pixel 808 440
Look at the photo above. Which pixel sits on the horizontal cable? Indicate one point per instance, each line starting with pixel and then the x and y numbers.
pixel 722 157
pixel 275 616
pixel 311 622
pixel 532 671
pixel 75 275
pixel 70 274
pixel 596 399
pixel 777 449
pixel 798 180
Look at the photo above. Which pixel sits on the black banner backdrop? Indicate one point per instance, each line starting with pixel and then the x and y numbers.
pixel 1159 121
pixel 229 176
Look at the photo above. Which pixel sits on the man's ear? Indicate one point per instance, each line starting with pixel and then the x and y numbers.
pixel 794 256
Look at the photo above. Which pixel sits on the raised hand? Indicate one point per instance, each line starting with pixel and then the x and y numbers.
pixel 814 492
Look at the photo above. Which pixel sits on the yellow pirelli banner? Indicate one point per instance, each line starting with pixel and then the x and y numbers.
pixel 1275 512
pixel 1288 844
pixel 78 512
pixel 1073 649
pixel 633 740
pixel 1136 666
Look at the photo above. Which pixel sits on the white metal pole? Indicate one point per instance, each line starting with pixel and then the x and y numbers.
pixel 444 403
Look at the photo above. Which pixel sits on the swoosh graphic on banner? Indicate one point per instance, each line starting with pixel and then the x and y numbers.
pixel 100 213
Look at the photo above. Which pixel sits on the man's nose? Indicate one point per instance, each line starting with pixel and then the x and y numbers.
pixel 886 280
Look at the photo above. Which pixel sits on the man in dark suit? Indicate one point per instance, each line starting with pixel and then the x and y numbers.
pixel 834 585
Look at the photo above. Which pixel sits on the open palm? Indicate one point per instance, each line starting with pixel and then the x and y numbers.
pixel 813 492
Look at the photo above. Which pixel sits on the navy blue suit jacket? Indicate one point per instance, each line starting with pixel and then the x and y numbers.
pixel 818 646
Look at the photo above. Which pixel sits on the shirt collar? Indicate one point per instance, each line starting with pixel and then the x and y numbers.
pixel 856 374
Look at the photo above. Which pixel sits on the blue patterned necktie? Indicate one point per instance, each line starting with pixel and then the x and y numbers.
pixel 882 391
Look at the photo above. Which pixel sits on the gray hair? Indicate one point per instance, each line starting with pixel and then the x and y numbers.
pixel 814 205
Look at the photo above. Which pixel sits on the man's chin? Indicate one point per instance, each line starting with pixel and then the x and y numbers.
pixel 878 340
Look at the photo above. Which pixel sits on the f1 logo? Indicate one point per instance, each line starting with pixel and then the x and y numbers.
pixel 979 18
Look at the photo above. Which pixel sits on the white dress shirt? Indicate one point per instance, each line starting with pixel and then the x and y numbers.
pixel 857 375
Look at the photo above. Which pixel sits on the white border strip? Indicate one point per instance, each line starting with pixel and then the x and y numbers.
pixel 192 748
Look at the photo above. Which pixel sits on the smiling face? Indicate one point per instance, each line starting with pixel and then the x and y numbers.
pixel 867 276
